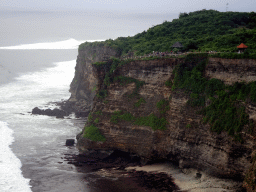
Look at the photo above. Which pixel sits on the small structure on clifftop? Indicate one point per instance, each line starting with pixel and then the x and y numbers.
pixel 178 46
pixel 241 48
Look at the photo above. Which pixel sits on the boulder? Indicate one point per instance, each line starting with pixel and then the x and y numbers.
pixel 36 110
pixel 70 142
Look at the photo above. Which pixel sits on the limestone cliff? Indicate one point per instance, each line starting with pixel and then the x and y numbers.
pixel 185 138
pixel 82 86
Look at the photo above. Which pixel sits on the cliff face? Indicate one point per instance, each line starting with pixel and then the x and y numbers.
pixel 232 70
pixel 185 140
pixel 125 136
pixel 82 87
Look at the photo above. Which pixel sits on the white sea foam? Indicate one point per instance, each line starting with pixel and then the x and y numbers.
pixel 11 179
pixel 38 88
pixel 67 44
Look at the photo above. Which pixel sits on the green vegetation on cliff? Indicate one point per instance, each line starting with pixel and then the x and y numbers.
pixel 110 67
pixel 111 76
pixel 139 102
pixel 151 120
pixel 205 30
pixel 226 108
pixel 163 106
pixel 92 132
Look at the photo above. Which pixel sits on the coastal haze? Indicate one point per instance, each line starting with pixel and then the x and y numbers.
pixel 38 49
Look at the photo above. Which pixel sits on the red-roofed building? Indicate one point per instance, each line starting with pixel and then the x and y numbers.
pixel 241 48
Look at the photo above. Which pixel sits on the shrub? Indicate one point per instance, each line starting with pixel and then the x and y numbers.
pixel 168 83
pixel 122 80
pixel 97 120
pixel 139 102
pixel 102 93
pixel 152 121
pixel 163 106
pixel 98 112
pixel 115 117
pixel 213 85
pixel 93 133
pixel 99 63
pixel 94 88
pixel 90 118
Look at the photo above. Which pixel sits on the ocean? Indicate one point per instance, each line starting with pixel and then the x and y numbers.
pixel 38 53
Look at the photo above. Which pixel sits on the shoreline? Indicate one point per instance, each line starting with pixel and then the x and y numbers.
pixel 164 176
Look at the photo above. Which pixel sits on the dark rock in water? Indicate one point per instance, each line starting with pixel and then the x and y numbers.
pixel 82 114
pixel 48 112
pixel 66 106
pixel 36 110
pixel 65 109
pixel 58 112
pixel 70 142
pixel 59 116
pixel 55 112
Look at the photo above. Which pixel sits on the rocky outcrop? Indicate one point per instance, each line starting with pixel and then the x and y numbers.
pixel 186 139
pixel 83 84
pixel 50 112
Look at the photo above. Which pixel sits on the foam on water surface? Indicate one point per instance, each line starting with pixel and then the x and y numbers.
pixel 11 178
pixel 38 88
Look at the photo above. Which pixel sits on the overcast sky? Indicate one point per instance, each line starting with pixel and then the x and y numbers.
pixel 142 6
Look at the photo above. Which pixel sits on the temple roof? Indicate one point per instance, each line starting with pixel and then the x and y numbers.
pixel 177 45
pixel 242 46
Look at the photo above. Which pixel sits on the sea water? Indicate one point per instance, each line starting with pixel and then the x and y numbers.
pixel 35 144
pixel 37 63
pixel 17 98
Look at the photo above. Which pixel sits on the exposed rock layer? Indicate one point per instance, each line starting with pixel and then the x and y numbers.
pixel 232 70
